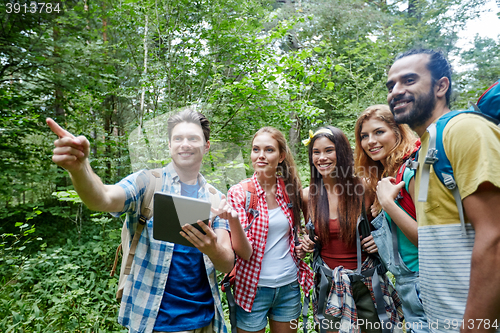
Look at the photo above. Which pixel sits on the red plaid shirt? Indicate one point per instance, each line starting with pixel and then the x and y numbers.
pixel 248 271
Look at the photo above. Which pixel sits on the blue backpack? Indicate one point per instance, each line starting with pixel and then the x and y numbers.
pixel 488 106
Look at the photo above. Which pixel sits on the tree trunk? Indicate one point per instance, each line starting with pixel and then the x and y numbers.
pixel 294 134
pixel 58 93
pixel 107 114
pixel 94 132
pixel 414 9
pixel 144 73
pixel 107 144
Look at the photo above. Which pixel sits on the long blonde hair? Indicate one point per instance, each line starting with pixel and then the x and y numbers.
pixel 372 171
pixel 287 169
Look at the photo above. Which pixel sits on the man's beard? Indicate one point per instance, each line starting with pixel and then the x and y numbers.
pixel 423 106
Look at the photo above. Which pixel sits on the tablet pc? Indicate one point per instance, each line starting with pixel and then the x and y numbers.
pixel 172 211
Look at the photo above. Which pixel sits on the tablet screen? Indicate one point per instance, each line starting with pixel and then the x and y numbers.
pixel 172 211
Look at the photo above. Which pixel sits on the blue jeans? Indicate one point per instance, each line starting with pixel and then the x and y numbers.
pixel 407 283
pixel 280 304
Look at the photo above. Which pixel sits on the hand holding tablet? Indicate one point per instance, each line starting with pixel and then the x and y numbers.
pixel 172 212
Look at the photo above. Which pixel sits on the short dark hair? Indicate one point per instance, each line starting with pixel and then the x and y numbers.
pixel 437 65
pixel 189 116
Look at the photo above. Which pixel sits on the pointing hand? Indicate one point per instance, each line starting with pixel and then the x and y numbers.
pixel 70 152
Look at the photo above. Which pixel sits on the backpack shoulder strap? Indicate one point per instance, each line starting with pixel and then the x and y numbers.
pixel 400 173
pixel 436 156
pixel 435 153
pixel 408 174
pixel 285 194
pixel 362 230
pixel 404 173
pixel 250 194
pixel 290 206
pixel 251 201
pixel 430 159
pixel 154 185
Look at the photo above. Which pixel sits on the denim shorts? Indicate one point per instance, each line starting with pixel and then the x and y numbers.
pixel 280 304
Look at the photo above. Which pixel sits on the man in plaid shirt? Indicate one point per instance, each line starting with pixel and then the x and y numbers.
pixel 171 287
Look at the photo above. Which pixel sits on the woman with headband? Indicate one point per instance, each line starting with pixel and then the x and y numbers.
pixel 334 201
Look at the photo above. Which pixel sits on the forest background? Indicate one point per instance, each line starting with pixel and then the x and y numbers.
pixel 104 68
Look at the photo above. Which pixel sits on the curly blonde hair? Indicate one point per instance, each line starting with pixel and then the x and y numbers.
pixel 372 171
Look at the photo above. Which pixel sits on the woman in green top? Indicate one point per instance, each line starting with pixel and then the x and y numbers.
pixel 382 148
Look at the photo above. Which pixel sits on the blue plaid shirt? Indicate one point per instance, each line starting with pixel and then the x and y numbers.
pixel 145 285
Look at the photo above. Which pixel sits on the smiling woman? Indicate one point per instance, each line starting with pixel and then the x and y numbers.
pixel 378 122
pixel 334 201
pixel 377 139
pixel 324 156
pixel 265 157
pixel 382 146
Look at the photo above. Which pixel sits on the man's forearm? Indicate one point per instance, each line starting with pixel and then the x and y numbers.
pixel 224 262
pixel 94 194
pixel 223 257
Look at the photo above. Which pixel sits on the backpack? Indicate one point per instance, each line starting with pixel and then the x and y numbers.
pixel 488 106
pixel 128 248
pixel 404 198
pixel 251 202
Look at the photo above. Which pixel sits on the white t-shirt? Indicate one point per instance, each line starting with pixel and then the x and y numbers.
pixel 278 268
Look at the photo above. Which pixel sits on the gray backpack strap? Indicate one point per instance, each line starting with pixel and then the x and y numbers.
pixel 430 159
pixel 358 247
pixel 395 244
pixel 451 184
pixel 324 288
pixel 449 181
pixel 146 212
pixel 380 304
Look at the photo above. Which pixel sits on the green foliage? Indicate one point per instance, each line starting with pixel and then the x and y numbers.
pixel 102 69
pixel 14 246
pixel 482 69
pixel 65 288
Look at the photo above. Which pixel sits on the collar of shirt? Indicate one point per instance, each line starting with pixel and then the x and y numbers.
pixel 171 174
